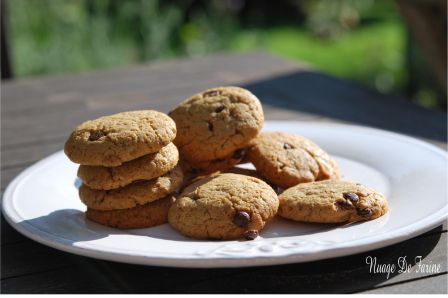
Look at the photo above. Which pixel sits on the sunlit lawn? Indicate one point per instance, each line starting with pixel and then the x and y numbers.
pixel 371 54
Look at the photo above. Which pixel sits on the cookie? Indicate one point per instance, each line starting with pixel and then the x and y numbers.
pixel 213 124
pixel 287 159
pixel 112 140
pixel 132 195
pixel 141 216
pixel 331 201
pixel 146 167
pixel 223 206
pixel 246 172
pixel 252 173
pixel 210 166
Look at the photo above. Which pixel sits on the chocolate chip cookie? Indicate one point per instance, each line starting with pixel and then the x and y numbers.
pixel 141 216
pixel 210 166
pixel 215 123
pixel 146 167
pixel 224 206
pixel 137 193
pixel 112 140
pixel 331 201
pixel 287 159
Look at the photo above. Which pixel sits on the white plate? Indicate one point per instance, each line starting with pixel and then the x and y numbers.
pixel 42 203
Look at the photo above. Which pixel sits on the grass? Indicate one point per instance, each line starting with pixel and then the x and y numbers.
pixel 372 54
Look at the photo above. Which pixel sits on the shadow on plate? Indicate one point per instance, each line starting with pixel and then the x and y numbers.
pixel 72 226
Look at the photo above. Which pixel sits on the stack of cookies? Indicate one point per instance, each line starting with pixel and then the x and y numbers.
pixel 133 162
pixel 128 166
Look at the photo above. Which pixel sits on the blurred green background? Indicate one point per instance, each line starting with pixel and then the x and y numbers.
pixel 364 41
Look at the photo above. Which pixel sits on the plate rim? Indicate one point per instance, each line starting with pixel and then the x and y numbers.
pixel 338 250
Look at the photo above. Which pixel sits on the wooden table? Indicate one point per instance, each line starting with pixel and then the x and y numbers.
pixel 38 115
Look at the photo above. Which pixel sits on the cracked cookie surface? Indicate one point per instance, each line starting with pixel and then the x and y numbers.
pixel 141 216
pixel 146 167
pixel 223 206
pixel 331 201
pixel 214 123
pixel 132 195
pixel 287 159
pixel 111 140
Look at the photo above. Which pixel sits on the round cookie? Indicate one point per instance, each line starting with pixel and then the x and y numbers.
pixel 146 167
pixel 137 193
pixel 111 140
pixel 331 201
pixel 141 216
pixel 223 206
pixel 220 164
pixel 253 173
pixel 287 159
pixel 215 123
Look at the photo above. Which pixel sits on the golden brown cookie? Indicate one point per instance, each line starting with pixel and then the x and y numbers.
pixel 287 159
pixel 252 173
pixel 213 124
pixel 137 193
pixel 111 140
pixel 331 201
pixel 146 167
pixel 224 206
pixel 210 166
pixel 141 216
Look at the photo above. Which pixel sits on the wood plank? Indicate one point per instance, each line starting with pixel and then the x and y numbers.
pixel 339 275
pixel 155 76
pixel 9 235
pixel 324 95
pixel 431 285
pixel 21 156
pixel 84 278
pixel 17 259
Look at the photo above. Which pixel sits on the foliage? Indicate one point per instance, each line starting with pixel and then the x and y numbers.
pixel 359 40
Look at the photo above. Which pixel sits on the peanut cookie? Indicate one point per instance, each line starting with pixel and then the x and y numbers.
pixel 111 140
pixel 146 167
pixel 287 159
pixel 141 216
pixel 137 193
pixel 331 201
pixel 215 123
pixel 224 206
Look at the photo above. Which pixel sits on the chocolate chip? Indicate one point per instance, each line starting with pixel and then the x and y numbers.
pixel 344 205
pixel 352 197
pixel 364 212
pixel 241 219
pixel 287 146
pixel 220 109
pixel 96 135
pixel 251 234
pixel 210 126
pixel 238 154
pixel 211 93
